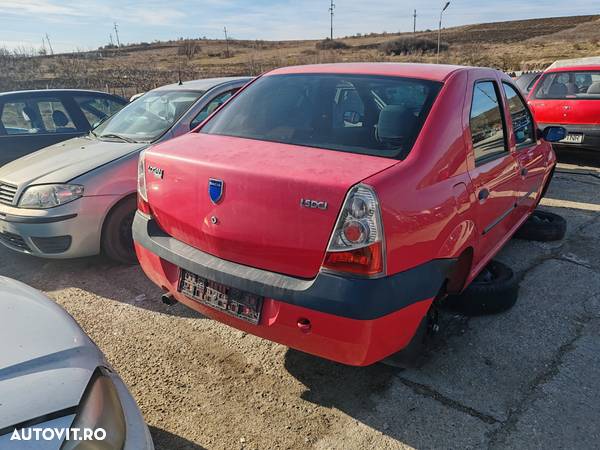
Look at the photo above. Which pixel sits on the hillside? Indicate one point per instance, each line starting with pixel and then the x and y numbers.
pixel 515 45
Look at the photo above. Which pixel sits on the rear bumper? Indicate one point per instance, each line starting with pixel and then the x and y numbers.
pixel 353 321
pixel 591 135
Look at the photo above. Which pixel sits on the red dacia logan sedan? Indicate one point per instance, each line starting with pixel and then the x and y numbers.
pixel 326 207
pixel 570 97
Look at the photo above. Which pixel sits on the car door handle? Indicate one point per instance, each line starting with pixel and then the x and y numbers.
pixel 524 172
pixel 483 194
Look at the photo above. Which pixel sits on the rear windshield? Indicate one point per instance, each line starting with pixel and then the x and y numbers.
pixel 569 85
pixel 353 113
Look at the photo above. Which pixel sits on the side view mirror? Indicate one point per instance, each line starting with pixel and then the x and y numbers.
pixel 554 134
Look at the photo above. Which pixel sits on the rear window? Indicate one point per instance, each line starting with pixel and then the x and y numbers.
pixel 360 114
pixel 569 85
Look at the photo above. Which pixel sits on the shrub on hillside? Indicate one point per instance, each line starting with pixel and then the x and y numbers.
pixel 328 44
pixel 189 49
pixel 411 45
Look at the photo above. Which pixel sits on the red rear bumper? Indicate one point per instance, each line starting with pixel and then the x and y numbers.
pixel 346 340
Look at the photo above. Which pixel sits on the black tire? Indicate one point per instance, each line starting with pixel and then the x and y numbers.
pixel 117 238
pixel 543 226
pixel 495 290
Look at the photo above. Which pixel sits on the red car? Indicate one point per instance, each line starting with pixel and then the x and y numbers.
pixel 570 97
pixel 326 207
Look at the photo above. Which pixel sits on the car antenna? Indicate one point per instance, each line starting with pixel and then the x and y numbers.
pixel 179 74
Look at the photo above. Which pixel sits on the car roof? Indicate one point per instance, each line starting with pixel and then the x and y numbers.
pixel 579 68
pixel 57 91
pixel 433 72
pixel 567 64
pixel 201 85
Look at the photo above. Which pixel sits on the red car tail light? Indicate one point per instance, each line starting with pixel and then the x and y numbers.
pixel 142 197
pixel 356 245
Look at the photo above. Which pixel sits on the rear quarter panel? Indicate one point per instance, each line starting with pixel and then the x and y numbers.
pixel 425 199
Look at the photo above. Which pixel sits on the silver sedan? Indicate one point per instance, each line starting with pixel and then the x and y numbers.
pixel 78 198
pixel 56 388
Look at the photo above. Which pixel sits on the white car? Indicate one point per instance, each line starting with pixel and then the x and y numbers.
pixel 56 389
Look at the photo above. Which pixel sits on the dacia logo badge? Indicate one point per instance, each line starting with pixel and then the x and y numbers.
pixel 215 189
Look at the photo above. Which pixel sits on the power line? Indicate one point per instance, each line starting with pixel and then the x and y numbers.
pixel 49 44
pixel 415 21
pixel 226 43
pixel 331 12
pixel 117 34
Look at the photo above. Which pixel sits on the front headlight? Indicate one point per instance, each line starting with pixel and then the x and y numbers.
pixel 50 195
pixel 100 410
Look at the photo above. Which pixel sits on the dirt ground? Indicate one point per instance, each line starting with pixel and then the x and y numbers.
pixel 529 378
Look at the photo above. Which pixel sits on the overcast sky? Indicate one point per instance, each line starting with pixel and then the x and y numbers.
pixel 87 24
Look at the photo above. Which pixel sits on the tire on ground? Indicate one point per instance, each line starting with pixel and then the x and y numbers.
pixel 494 290
pixel 117 239
pixel 543 226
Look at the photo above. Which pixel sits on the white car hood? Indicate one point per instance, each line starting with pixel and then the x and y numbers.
pixel 46 360
pixel 65 161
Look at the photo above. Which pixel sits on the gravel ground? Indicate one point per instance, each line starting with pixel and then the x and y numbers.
pixel 528 378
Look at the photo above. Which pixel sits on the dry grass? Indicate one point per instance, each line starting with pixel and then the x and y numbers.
pixel 515 45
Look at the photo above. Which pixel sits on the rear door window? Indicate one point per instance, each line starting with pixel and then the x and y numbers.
pixel 17 118
pixel 486 123
pixel 55 117
pixel 584 85
pixel 522 121
pixel 374 115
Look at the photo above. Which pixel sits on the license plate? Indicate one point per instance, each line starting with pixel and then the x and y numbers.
pixel 573 138
pixel 234 302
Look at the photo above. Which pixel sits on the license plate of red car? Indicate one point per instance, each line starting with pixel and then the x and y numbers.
pixel 234 302
pixel 573 138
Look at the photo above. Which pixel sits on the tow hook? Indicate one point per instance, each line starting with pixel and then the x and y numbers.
pixel 168 299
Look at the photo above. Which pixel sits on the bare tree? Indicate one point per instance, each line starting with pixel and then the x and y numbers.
pixel 189 49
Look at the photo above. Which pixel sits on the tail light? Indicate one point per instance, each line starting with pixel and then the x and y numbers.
pixel 142 197
pixel 356 245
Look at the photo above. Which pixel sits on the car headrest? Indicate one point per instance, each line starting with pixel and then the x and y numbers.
pixel 594 88
pixel 395 124
pixel 60 119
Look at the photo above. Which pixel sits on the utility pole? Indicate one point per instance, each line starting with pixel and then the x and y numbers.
pixel 440 30
pixel 415 22
pixel 112 43
pixel 49 44
pixel 117 34
pixel 226 43
pixel 331 12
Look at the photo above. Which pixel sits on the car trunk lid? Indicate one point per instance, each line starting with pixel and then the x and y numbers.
pixel 567 111
pixel 259 221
